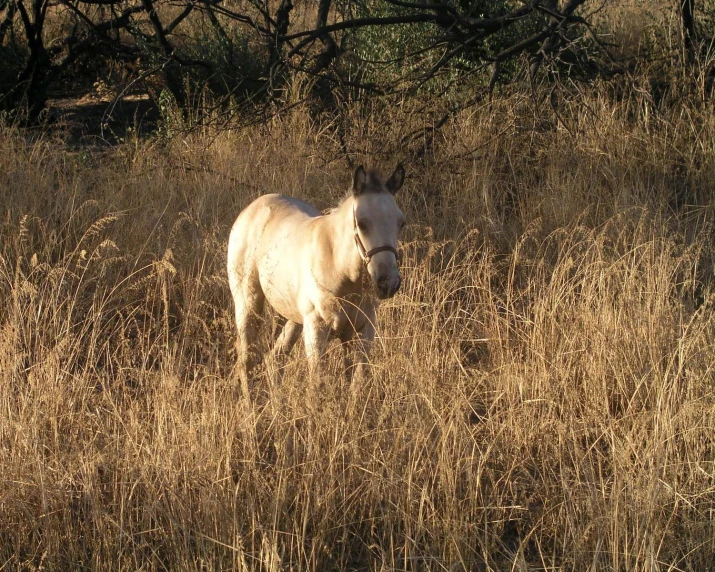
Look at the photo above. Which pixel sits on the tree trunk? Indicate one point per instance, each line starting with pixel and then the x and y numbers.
pixel 687 9
pixel 34 78
pixel 172 72
pixel 275 47
pixel 323 89
pixel 547 45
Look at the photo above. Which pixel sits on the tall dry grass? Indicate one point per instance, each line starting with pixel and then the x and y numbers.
pixel 542 386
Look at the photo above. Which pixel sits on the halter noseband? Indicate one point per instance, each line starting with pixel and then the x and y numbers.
pixel 366 254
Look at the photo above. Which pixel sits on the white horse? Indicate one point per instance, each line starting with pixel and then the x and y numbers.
pixel 315 270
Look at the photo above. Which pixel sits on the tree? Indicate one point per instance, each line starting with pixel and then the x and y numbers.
pixel 441 43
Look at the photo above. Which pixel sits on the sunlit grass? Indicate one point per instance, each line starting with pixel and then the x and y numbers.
pixel 541 392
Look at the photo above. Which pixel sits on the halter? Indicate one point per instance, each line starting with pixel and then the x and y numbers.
pixel 366 254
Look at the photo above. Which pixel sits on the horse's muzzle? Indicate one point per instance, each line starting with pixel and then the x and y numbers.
pixel 387 288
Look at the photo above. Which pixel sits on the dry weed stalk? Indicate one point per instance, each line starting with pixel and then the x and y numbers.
pixel 542 391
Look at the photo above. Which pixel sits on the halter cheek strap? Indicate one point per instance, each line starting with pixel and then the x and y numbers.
pixel 365 254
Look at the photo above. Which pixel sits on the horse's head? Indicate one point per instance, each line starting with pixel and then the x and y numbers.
pixel 377 222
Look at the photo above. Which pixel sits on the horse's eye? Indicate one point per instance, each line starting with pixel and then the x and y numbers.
pixel 362 225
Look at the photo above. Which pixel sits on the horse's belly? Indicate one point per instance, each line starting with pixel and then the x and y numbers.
pixel 288 311
pixel 280 289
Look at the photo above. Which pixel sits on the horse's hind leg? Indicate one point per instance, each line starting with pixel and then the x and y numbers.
pixel 249 300
pixel 284 344
pixel 287 338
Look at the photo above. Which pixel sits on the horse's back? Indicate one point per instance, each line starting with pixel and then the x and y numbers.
pixel 261 217
pixel 278 207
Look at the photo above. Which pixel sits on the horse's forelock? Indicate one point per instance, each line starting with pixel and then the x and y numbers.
pixel 374 184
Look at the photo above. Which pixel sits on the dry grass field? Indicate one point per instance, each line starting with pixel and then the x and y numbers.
pixel 542 392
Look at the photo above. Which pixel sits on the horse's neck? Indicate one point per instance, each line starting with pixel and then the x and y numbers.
pixel 345 264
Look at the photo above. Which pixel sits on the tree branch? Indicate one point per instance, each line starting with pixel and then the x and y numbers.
pixel 7 21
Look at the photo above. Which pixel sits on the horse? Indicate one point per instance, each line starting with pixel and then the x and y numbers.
pixel 324 273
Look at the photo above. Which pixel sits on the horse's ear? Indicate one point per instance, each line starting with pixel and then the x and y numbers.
pixel 395 181
pixel 359 180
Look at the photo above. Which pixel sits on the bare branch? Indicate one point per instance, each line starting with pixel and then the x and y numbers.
pixel 180 18
pixel 331 49
pixel 5 25
pixel 213 5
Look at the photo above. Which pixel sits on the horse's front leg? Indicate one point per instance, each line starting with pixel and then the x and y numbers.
pixel 357 345
pixel 315 337
pixel 363 345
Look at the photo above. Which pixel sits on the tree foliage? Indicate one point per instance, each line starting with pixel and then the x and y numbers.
pixel 248 49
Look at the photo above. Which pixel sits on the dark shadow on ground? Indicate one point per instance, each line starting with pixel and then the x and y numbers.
pixel 98 122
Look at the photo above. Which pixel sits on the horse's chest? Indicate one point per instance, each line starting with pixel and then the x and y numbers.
pixel 343 315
